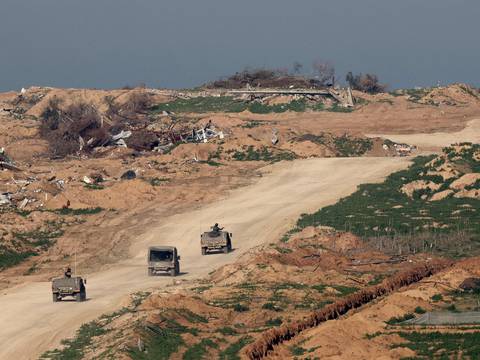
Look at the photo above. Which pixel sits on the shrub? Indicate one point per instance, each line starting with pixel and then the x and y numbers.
pixel 396 320
pixel 419 310
pixel 227 331
pixel 240 308
pixel 274 322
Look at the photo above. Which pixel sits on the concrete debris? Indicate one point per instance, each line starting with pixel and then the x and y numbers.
pixel 129 175
pixel 274 137
pixel 121 143
pixel 87 180
pixel 9 166
pixel 404 149
pixel 24 203
pixel 6 162
pixel 398 148
pixel 5 199
pixel 163 148
pixel 122 135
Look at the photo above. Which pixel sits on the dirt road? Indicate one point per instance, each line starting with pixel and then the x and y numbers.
pixel 435 141
pixel 257 214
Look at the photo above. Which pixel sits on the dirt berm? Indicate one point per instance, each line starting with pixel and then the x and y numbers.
pixel 262 347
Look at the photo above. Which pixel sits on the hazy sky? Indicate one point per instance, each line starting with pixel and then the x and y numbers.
pixel 182 43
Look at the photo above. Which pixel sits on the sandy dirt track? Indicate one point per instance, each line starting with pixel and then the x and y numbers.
pixel 257 214
pixel 435 141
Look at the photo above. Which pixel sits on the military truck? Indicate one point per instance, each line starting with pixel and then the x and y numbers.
pixel 69 286
pixel 163 259
pixel 216 240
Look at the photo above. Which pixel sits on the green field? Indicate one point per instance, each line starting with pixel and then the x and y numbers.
pixel 229 104
pixel 391 221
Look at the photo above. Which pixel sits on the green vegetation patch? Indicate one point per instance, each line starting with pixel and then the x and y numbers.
pixel 203 105
pixel 297 350
pixel 74 349
pixel 390 220
pixel 190 316
pixel 30 243
pixel 348 146
pixel 263 154
pixel 345 290
pixel 199 350
pixel 94 186
pixel 344 146
pixel 232 352
pixel 274 322
pixel 419 310
pixel 39 237
pixel 399 319
pixel 10 258
pixel 442 345
pixel 226 330
pixel 229 104
pixel 156 181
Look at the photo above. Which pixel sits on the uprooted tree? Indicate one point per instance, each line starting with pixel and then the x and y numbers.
pixel 81 127
pixel 367 83
pixel 66 129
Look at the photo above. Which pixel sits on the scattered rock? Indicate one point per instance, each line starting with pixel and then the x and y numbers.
pixel 87 180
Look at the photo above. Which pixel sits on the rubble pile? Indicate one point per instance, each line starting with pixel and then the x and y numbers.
pixel 83 128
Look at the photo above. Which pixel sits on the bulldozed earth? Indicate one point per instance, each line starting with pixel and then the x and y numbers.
pixel 91 177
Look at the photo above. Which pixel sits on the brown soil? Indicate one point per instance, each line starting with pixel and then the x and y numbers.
pixel 136 213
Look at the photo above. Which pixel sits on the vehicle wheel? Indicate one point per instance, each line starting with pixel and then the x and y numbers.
pixel 204 251
pixel 225 249
pixel 173 272
pixel 55 298
pixel 78 297
pixel 150 272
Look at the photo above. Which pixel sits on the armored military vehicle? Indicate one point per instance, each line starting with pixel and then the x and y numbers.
pixel 69 286
pixel 216 240
pixel 163 259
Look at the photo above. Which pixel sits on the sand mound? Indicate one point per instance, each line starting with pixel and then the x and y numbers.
pixel 418 185
pixel 452 95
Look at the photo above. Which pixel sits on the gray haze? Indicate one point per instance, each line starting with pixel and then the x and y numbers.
pixel 183 43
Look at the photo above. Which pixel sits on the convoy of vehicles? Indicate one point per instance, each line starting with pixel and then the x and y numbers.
pixel 160 259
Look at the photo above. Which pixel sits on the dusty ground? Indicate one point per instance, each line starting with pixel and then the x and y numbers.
pixel 257 214
pixel 175 196
pixel 368 334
